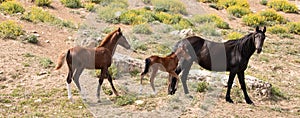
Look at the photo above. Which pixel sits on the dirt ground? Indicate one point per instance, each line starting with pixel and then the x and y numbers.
pixel 29 89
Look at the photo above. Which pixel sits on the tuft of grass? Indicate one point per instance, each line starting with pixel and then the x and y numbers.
pixel 202 87
pixel 46 62
pixel 276 94
pixel 263 2
pixel 134 73
pixel 283 5
pixel 11 7
pixel 32 39
pixel 272 17
pixel 71 3
pixel 10 29
pixel 125 100
pixel 171 6
pixel 113 70
pixel 234 36
pixel 111 12
pixel 106 90
pixel 228 3
pixel 90 6
pixel 142 29
pixel 208 1
pixel 208 29
pixel 253 20
pixel 42 2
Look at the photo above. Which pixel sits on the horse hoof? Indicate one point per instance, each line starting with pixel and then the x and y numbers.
pixel 250 102
pixel 229 100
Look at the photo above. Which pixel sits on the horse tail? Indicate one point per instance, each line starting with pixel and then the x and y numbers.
pixel 60 60
pixel 147 66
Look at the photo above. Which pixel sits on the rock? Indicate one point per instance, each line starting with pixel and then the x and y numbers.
pixel 38 101
pixel 37 35
pixel 183 33
pixel 47 41
pixel 139 102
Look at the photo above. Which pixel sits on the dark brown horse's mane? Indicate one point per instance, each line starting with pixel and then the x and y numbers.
pixel 239 41
pixel 107 38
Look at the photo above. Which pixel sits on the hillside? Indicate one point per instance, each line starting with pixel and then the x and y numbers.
pixel 30 87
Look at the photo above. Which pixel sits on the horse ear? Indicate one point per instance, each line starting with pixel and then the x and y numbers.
pixel 119 29
pixel 256 29
pixel 265 29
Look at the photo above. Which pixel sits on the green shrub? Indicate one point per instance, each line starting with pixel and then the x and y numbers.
pixel 42 2
pixel 202 87
pixel 263 2
pixel 89 6
pixel 276 93
pixel 238 11
pixel 12 7
pixel 32 39
pixel 95 1
pixel 71 3
pixel 142 29
pixel 10 29
pixel 106 90
pixel 125 100
pixel 294 27
pixel 162 49
pixel 283 5
pixel 234 36
pixel 111 12
pixel 46 62
pixel 173 6
pixel 253 20
pixel 277 29
pixel 139 16
pixel 211 18
pixel 113 71
pixel 272 17
pixel 227 3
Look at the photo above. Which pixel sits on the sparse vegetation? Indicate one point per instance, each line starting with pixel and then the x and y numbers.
pixel 142 29
pixel 253 20
pixel 294 27
pixel 10 29
pixel 11 7
pixel 234 36
pixel 263 2
pixel 211 18
pixel 90 6
pixel 208 1
pixel 127 99
pixel 276 94
pixel 111 12
pixel 282 5
pixel 71 3
pixel 227 3
pixel 171 6
pixel 277 29
pixel 42 2
pixel 208 29
pixel 106 90
pixel 46 62
pixel 202 87
pixel 271 17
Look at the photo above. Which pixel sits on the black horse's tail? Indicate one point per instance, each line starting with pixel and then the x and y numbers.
pixel 147 66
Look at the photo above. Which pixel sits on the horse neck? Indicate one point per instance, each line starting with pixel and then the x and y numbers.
pixel 111 44
pixel 173 55
pixel 247 47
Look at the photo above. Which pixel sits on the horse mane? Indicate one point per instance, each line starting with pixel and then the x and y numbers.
pixel 239 41
pixel 107 38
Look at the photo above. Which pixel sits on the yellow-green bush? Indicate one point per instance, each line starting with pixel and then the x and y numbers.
pixel 173 6
pixel 238 11
pixel 211 18
pixel 272 17
pixel 111 12
pixel 208 1
pixel 234 36
pixel 277 29
pixel 42 2
pixel 89 6
pixel 11 7
pixel 36 15
pixel 10 29
pixel 253 20
pixel 294 27
pixel 71 3
pixel 282 5
pixel 227 3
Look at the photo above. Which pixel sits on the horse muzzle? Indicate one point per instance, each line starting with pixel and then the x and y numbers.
pixel 259 50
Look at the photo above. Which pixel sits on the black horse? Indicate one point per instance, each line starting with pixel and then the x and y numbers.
pixel 232 56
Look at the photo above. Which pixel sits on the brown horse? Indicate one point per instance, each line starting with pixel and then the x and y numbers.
pixel 80 58
pixel 166 64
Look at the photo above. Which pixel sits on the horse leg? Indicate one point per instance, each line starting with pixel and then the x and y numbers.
pixel 169 82
pixel 69 80
pixel 101 78
pixel 76 80
pixel 141 86
pixel 177 78
pixel 185 66
pixel 153 74
pixel 241 77
pixel 173 81
pixel 111 83
pixel 229 85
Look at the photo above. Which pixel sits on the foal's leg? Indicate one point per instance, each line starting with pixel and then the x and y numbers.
pixel 101 78
pixel 241 77
pixel 177 78
pixel 141 86
pixel 153 74
pixel 229 85
pixel 111 83
pixel 69 80
pixel 76 80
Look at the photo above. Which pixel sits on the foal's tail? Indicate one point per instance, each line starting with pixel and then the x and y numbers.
pixel 61 60
pixel 147 66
